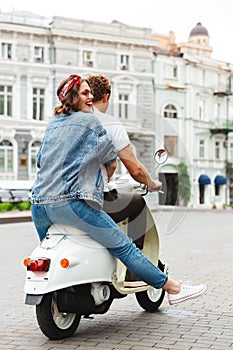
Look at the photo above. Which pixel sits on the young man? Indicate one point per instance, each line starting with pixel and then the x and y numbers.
pixel 129 205
pixel 122 205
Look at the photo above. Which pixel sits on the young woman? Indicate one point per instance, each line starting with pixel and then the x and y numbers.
pixel 69 186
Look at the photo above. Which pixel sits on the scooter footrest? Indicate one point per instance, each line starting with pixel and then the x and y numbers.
pixel 133 284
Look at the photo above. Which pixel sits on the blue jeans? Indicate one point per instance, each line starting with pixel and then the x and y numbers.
pixel 101 228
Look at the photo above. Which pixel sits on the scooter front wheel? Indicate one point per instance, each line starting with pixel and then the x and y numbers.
pixel 151 299
pixel 53 323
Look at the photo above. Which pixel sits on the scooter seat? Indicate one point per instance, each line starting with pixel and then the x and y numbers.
pixel 60 229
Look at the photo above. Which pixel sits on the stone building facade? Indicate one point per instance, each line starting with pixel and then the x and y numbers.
pixel 165 94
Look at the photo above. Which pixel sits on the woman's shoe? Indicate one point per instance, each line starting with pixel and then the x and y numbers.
pixel 186 292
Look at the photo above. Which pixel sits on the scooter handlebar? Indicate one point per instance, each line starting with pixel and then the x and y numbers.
pixel 143 190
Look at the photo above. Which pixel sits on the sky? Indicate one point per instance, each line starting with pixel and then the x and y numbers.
pixel 162 16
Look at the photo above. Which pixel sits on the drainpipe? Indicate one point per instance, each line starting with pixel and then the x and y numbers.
pixel 228 94
pixel 154 100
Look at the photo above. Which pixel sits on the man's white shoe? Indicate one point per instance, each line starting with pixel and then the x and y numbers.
pixel 186 292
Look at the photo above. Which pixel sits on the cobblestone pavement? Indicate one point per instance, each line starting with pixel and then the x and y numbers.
pixel 198 246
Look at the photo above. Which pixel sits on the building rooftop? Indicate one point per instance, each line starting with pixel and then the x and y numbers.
pixel 199 30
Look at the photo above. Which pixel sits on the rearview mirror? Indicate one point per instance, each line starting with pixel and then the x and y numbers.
pixel 160 156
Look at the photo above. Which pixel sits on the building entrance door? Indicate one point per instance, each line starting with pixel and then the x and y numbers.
pixel 170 188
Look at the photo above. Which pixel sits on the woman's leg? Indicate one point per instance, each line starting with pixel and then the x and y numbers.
pixel 41 220
pixel 104 230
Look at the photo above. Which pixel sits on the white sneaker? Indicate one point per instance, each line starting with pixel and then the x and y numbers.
pixel 186 292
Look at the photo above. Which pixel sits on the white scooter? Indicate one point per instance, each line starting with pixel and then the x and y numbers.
pixel 69 275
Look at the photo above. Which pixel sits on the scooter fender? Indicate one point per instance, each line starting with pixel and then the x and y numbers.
pixel 88 260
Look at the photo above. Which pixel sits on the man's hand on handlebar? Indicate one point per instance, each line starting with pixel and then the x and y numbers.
pixel 155 186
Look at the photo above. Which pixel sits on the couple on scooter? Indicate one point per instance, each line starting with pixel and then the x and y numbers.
pixel 69 185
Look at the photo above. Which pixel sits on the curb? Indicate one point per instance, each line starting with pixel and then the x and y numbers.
pixel 25 216
pixel 15 216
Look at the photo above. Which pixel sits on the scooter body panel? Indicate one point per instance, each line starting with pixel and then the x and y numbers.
pixel 89 262
pixel 91 280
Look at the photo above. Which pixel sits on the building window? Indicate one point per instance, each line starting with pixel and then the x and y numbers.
pixel 123 106
pixel 6 100
pixel 170 111
pixel 6 51
pixel 38 54
pixel 53 55
pixel 124 62
pixel 88 58
pixel 6 157
pixel 203 74
pixel 217 150
pixel 217 113
pixel 170 71
pixel 34 150
pixel 231 152
pixel 201 110
pixel 38 103
pixel 201 148
pixel 171 145
pixel 175 72
pixel 231 112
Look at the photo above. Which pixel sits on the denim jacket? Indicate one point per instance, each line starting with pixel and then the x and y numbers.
pixel 70 157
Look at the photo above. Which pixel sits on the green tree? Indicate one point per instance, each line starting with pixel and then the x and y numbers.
pixel 184 186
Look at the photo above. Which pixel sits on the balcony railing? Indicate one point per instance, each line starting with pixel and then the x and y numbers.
pixel 221 126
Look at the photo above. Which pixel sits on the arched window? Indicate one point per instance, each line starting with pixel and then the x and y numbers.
pixel 170 111
pixel 34 150
pixel 6 157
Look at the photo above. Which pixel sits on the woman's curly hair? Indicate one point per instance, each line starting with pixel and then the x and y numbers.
pixel 67 103
pixel 100 85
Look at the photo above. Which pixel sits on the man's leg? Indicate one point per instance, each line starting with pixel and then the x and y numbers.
pixel 128 205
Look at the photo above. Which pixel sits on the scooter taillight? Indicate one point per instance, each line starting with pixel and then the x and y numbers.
pixel 41 264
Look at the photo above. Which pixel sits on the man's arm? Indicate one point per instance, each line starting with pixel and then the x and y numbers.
pixel 137 170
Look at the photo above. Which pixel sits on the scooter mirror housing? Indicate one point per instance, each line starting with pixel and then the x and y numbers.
pixel 160 156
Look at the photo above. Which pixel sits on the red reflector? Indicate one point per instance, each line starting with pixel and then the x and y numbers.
pixel 41 264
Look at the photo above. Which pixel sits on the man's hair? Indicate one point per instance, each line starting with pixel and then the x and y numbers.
pixel 100 85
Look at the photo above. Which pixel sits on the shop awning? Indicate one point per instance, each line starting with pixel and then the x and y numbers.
pixel 220 180
pixel 204 180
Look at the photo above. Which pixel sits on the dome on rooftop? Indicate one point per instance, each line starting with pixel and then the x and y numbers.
pixel 199 30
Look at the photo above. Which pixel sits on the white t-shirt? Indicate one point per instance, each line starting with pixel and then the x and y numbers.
pixel 114 128
pixel 117 132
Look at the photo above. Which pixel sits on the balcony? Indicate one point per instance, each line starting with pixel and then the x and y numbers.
pixel 221 126
pixel 222 93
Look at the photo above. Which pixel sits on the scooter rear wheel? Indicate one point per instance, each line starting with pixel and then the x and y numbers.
pixel 53 323
pixel 151 299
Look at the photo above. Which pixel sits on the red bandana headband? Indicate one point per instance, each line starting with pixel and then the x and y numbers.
pixel 74 79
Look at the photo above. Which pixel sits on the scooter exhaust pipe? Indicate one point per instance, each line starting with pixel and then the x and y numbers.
pixel 84 299
pixel 100 293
